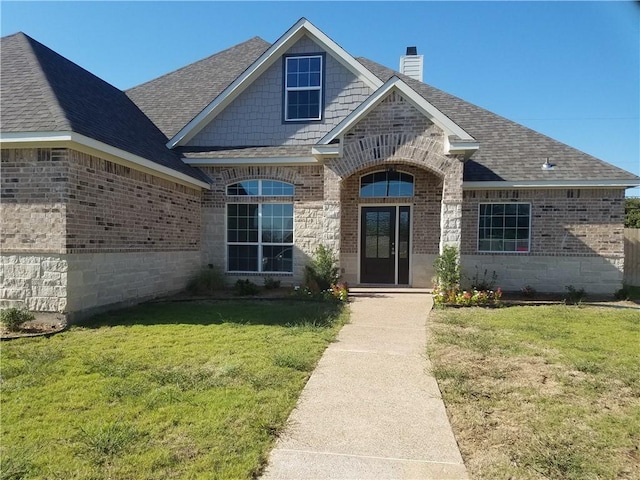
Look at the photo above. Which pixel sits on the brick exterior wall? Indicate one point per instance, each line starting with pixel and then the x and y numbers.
pixel 563 222
pixel 34 196
pixel 577 238
pixel 112 208
pixel 68 215
pixel 255 117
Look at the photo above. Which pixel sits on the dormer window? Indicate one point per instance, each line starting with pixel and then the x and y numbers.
pixel 303 88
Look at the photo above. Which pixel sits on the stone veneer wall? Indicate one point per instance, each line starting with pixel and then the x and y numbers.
pixel 81 232
pixel 307 211
pixel 577 238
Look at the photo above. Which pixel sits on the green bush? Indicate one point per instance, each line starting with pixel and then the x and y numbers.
pixel 574 296
pixel 207 280
pixel 447 269
pixel 322 272
pixel 13 317
pixel 271 283
pixel 245 287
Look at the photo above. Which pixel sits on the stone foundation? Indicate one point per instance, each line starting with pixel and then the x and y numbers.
pixel 35 281
pixel 82 284
pixel 600 275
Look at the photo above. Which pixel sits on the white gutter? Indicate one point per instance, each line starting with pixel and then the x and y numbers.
pixel 551 184
pixel 90 146
pixel 250 161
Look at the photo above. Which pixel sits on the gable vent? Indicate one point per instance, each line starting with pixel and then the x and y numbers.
pixel 411 64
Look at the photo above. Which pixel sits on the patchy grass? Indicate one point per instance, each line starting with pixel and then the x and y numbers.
pixel 177 390
pixel 542 392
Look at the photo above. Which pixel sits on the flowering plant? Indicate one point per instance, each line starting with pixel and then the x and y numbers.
pixel 467 298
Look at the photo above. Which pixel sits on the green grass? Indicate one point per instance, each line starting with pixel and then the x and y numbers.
pixel 542 392
pixel 182 390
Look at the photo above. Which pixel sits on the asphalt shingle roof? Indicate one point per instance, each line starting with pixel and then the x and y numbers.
pixel 508 151
pixel 41 91
pixel 174 99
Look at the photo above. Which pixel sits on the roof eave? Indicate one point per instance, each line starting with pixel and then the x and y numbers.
pixel 91 146
pixel 497 185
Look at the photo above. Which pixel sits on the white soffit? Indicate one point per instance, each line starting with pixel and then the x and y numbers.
pixel 296 32
pixel 395 83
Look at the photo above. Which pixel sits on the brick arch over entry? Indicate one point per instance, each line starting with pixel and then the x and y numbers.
pixel 398 148
pixel 283 174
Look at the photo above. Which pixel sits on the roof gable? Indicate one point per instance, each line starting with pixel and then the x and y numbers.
pixel 258 67
pixel 509 151
pixel 450 128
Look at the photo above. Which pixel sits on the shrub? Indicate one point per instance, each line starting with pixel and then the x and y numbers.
pixel 574 296
pixel 448 269
pixel 207 280
pixel 484 283
pixel 245 287
pixel 12 318
pixel 322 271
pixel 528 291
pixel 271 283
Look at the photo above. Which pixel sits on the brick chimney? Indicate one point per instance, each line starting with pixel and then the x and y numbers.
pixel 411 64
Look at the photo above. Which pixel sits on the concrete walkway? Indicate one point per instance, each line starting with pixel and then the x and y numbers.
pixel 371 409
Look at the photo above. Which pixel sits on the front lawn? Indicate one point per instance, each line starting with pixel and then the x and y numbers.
pixel 542 392
pixel 179 390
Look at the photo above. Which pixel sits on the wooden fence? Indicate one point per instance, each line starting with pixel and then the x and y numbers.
pixel 632 256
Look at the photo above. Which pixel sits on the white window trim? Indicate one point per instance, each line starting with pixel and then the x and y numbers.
pixel 288 89
pixel 507 252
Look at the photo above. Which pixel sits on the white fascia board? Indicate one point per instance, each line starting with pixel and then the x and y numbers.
pixel 426 108
pixel 251 161
pixel 551 184
pixel 333 150
pixel 268 58
pixel 94 147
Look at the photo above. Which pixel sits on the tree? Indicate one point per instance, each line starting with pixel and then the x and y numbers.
pixel 632 212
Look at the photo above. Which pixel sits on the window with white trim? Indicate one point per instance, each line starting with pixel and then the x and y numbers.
pixel 504 227
pixel 260 233
pixel 303 88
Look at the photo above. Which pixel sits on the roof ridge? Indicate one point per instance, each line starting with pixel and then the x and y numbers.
pixel 173 72
pixel 58 113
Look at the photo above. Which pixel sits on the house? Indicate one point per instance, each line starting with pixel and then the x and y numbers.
pixel 251 158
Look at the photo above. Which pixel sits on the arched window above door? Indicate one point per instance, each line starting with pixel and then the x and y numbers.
pixel 387 183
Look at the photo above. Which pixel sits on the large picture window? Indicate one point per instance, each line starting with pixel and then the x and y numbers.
pixel 260 234
pixel 504 227
pixel 386 184
pixel 303 88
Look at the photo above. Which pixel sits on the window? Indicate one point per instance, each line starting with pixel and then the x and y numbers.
pixel 260 234
pixel 265 188
pixel 386 184
pixel 303 88
pixel 504 227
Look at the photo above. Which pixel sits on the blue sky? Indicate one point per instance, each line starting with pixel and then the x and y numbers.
pixel 570 70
